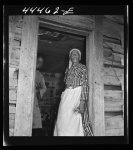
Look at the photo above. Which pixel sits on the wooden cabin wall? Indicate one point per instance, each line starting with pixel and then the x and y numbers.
pixel 113 66
pixel 15 34
pixel 26 80
pixel 113 78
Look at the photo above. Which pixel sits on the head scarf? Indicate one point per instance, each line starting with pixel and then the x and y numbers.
pixel 74 49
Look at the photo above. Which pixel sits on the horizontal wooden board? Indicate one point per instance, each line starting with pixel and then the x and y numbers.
pixel 113 94
pixel 72 20
pixel 114 64
pixel 111 80
pixel 109 71
pixel 116 18
pixel 12 72
pixel 112 29
pixel 13 65
pixel 11 116
pixel 20 24
pixel 12 82
pixel 11 37
pixel 11 123
pixel 112 99
pixel 114 57
pixel 18 30
pixel 12 109
pixel 114 132
pixel 113 105
pixel 18 36
pixel 111 40
pixel 15 54
pixel 12 94
pixel 12 101
pixel 11 132
pixel 115 47
pixel 16 43
pixel 115 122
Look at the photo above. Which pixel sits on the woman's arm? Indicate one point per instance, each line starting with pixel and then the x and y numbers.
pixel 65 74
pixel 43 87
pixel 85 90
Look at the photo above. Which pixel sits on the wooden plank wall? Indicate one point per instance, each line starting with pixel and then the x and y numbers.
pixel 113 78
pixel 15 33
pixel 26 80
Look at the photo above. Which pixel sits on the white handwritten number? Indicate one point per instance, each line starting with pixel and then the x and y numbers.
pixel 32 10
pixel 70 11
pixel 25 10
pixel 56 11
pixel 47 11
pixel 40 10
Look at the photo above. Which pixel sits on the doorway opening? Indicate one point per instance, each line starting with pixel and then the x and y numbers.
pixel 55 45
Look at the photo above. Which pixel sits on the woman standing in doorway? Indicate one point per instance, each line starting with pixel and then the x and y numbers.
pixel 40 89
pixel 72 119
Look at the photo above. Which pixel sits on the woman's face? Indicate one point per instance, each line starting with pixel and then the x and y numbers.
pixel 39 62
pixel 74 57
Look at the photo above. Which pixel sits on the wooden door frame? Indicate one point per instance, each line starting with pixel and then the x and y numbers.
pixel 91 50
pixel 96 115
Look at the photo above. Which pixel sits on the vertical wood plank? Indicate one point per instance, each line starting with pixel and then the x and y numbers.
pixel 25 93
pixel 89 63
pixel 95 71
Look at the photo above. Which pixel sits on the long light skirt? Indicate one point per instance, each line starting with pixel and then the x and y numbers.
pixel 69 123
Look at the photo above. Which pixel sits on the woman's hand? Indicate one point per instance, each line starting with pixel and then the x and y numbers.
pixel 42 91
pixel 80 109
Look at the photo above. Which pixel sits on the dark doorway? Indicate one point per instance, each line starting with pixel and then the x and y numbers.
pixel 55 46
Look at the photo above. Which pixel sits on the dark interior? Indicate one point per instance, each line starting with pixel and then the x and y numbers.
pixel 55 46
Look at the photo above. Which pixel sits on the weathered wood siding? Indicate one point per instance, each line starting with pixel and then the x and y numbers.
pixel 69 23
pixel 15 35
pixel 113 48
pixel 94 62
pixel 105 58
pixel 26 80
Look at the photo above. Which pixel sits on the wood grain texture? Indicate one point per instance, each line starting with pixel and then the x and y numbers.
pixel 111 80
pixel 116 122
pixel 115 47
pixel 12 94
pixel 11 123
pixel 11 116
pixel 72 20
pixel 112 56
pixel 108 63
pixel 115 132
pixel 12 82
pixel 112 29
pixel 12 72
pixel 12 109
pixel 109 71
pixel 95 73
pixel 113 105
pixel 25 93
pixel 11 132
pixel 116 18
pixel 113 94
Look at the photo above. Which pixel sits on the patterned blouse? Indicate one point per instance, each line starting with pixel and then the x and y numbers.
pixel 77 76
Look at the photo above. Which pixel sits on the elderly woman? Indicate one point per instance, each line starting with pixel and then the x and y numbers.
pixel 72 114
pixel 40 89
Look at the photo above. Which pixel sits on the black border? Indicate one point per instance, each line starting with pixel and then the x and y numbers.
pixel 80 10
